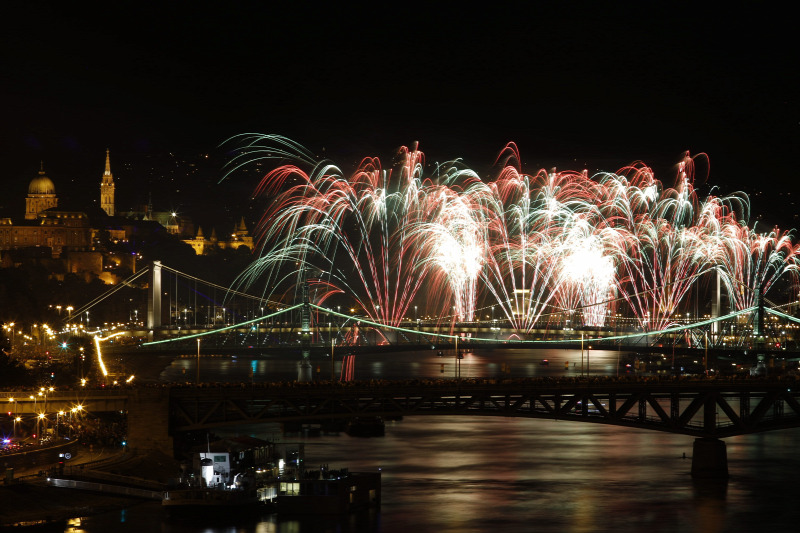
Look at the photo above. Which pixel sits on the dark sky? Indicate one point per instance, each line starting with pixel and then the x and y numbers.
pixel 575 85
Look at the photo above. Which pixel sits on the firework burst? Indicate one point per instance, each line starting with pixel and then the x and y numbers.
pixel 554 243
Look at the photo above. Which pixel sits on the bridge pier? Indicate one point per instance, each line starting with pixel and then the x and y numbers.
pixel 148 420
pixel 709 458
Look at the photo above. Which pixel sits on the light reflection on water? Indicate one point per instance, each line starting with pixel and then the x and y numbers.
pixel 476 474
pixel 479 363
pixel 473 474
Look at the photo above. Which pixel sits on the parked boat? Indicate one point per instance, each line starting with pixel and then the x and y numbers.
pixel 328 492
pixel 215 487
pixel 287 487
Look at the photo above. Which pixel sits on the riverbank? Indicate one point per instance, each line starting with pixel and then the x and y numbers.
pixel 31 499
pixel 28 501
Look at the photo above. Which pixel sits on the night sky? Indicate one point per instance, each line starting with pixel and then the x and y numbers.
pixel 575 85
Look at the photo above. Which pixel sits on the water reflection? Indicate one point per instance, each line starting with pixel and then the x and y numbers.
pixel 479 363
pixel 477 474
pixel 472 474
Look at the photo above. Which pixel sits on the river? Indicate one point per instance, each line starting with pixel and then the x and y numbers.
pixel 479 474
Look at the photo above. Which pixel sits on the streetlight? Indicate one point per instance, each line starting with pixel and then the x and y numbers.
pixel 197 379
pixel 12 401
pixel 38 419
pixel 259 326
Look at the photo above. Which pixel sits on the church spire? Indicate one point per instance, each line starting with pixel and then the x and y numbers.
pixel 107 188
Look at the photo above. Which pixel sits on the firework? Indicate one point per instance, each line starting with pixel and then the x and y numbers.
pixel 346 235
pixel 557 244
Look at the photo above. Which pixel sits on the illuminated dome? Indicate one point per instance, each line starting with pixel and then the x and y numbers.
pixel 41 185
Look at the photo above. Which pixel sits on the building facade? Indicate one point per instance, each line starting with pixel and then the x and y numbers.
pixel 41 195
pixel 44 225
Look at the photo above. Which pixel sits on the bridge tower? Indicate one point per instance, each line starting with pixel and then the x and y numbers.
pixel 154 298
pixel 758 320
pixel 716 309
pixel 758 326
pixel 304 370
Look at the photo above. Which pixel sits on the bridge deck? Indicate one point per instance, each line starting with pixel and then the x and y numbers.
pixel 703 408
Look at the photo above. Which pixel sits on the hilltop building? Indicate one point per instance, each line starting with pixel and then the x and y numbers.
pixel 69 236
pixel 44 224
pixel 76 234
pixel 238 238
pixel 41 195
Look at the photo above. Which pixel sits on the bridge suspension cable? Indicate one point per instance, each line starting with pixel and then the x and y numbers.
pixel 783 315
pixel 227 290
pixel 360 320
pixel 226 328
pixel 119 286
pixel 672 329
pixel 239 311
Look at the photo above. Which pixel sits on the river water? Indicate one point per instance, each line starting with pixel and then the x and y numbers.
pixel 478 474
pixel 480 363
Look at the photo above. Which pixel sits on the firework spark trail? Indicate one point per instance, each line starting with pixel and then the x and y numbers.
pixel 525 218
pixel 455 250
pixel 750 261
pixel 534 245
pixel 588 277
pixel 320 220
pixel 656 244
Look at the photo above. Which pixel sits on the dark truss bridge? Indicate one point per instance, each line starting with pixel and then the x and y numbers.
pixel 700 408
